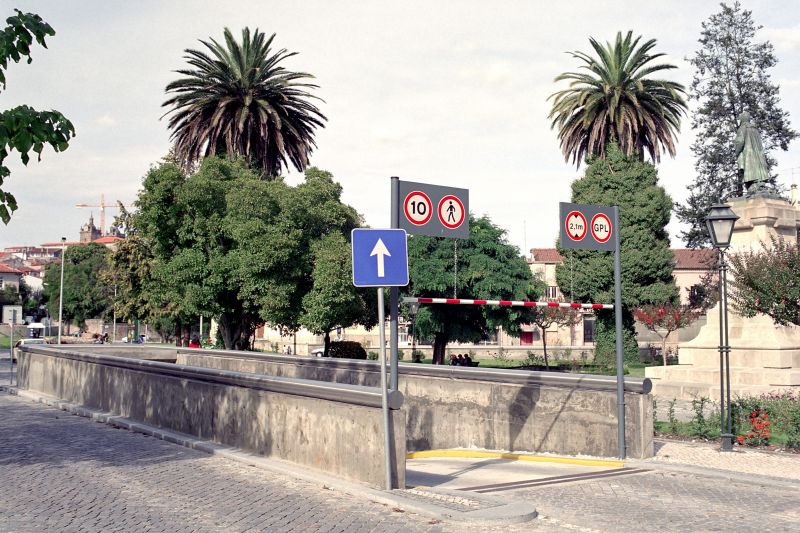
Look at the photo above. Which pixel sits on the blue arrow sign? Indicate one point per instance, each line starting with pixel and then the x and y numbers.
pixel 380 258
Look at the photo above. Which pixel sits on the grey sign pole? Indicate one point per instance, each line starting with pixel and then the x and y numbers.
pixel 384 400
pixel 394 292
pixel 596 227
pixel 618 320
pixel 11 349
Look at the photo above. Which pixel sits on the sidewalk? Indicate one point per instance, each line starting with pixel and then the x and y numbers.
pixel 744 461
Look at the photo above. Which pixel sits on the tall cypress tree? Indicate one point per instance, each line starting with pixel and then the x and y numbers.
pixel 730 76
pixel 646 259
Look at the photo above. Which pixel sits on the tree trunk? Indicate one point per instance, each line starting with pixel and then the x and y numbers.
pixel 664 348
pixel 327 344
pixel 544 347
pixel 178 339
pixel 439 347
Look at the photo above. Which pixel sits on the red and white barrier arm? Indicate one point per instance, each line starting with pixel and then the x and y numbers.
pixel 514 303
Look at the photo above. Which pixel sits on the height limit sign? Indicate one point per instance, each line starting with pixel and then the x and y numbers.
pixel 587 227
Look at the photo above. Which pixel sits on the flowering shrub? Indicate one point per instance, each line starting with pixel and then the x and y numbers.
pixel 759 429
pixel 767 419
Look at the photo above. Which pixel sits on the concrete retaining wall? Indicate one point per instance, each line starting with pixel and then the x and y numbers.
pixel 332 427
pixel 451 407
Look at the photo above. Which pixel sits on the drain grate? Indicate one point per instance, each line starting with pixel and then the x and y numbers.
pixel 455 500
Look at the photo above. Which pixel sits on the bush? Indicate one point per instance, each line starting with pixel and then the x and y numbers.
pixel 400 355
pixel 372 356
pixel 347 350
pixel 750 415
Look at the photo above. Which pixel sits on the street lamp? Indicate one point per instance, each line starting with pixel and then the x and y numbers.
pixel 61 288
pixel 719 222
pixel 413 308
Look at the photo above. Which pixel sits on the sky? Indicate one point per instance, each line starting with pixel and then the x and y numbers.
pixel 447 93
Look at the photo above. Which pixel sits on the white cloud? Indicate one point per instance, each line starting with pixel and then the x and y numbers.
pixel 106 120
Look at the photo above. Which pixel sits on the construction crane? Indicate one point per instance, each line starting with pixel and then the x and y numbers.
pixel 102 206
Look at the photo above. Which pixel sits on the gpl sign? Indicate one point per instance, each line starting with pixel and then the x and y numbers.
pixel 433 210
pixel 587 227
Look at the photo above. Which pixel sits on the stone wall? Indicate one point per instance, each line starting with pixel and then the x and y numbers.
pixel 452 407
pixel 334 428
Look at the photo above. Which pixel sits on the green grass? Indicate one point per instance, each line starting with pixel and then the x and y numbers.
pixel 5 341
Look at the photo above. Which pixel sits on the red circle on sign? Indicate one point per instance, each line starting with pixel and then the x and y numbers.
pixel 451 212
pixel 577 231
pixel 417 208
pixel 603 232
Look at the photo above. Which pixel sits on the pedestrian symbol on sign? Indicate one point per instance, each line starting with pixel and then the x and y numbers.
pixel 451 212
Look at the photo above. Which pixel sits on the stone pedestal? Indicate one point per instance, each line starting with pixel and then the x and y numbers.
pixel 764 357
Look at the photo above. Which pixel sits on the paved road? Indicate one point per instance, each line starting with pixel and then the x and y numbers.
pixel 60 472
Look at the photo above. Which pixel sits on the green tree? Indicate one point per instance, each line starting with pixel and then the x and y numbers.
pixel 768 282
pixel 731 75
pixel 488 268
pixel 238 100
pixel 547 317
pixel 85 295
pixel 646 259
pixel 228 245
pixel 130 276
pixel 614 99
pixel 333 301
pixel 23 128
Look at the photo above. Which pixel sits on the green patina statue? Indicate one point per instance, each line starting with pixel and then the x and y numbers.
pixel 750 157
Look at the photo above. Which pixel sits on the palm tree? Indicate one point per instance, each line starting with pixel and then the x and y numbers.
pixel 616 101
pixel 238 100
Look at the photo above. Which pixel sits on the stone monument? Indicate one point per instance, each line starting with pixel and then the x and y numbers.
pixel 764 357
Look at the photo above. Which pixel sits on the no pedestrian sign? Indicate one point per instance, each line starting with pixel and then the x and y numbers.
pixel 433 210
pixel 587 227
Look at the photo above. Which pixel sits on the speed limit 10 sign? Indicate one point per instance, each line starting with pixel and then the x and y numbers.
pixel 417 208
pixel 433 210
pixel 588 227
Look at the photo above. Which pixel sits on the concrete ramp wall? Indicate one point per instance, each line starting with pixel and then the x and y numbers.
pixel 335 428
pixel 455 407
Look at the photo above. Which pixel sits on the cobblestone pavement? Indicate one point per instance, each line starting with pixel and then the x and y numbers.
pixel 60 472
pixel 742 460
pixel 667 501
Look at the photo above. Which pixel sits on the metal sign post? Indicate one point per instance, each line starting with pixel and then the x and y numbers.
pixel 423 209
pixel 11 348
pixel 596 227
pixel 380 259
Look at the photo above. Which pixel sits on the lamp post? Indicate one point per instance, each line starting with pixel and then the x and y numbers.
pixel 61 288
pixel 720 221
pixel 413 308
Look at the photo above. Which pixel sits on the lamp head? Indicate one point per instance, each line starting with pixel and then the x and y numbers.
pixel 720 222
pixel 413 308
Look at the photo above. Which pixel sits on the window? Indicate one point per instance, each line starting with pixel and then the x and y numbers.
pixel 588 329
pixel 526 339
pixel 551 292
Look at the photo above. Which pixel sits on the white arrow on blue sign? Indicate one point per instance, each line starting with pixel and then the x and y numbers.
pixel 380 258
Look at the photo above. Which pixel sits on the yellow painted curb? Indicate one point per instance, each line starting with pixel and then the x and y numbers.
pixel 513 457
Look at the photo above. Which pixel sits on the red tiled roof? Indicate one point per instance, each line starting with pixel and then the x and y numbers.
pixel 694 258
pixel 546 255
pixel 5 269
pixel 108 239
pixel 53 244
